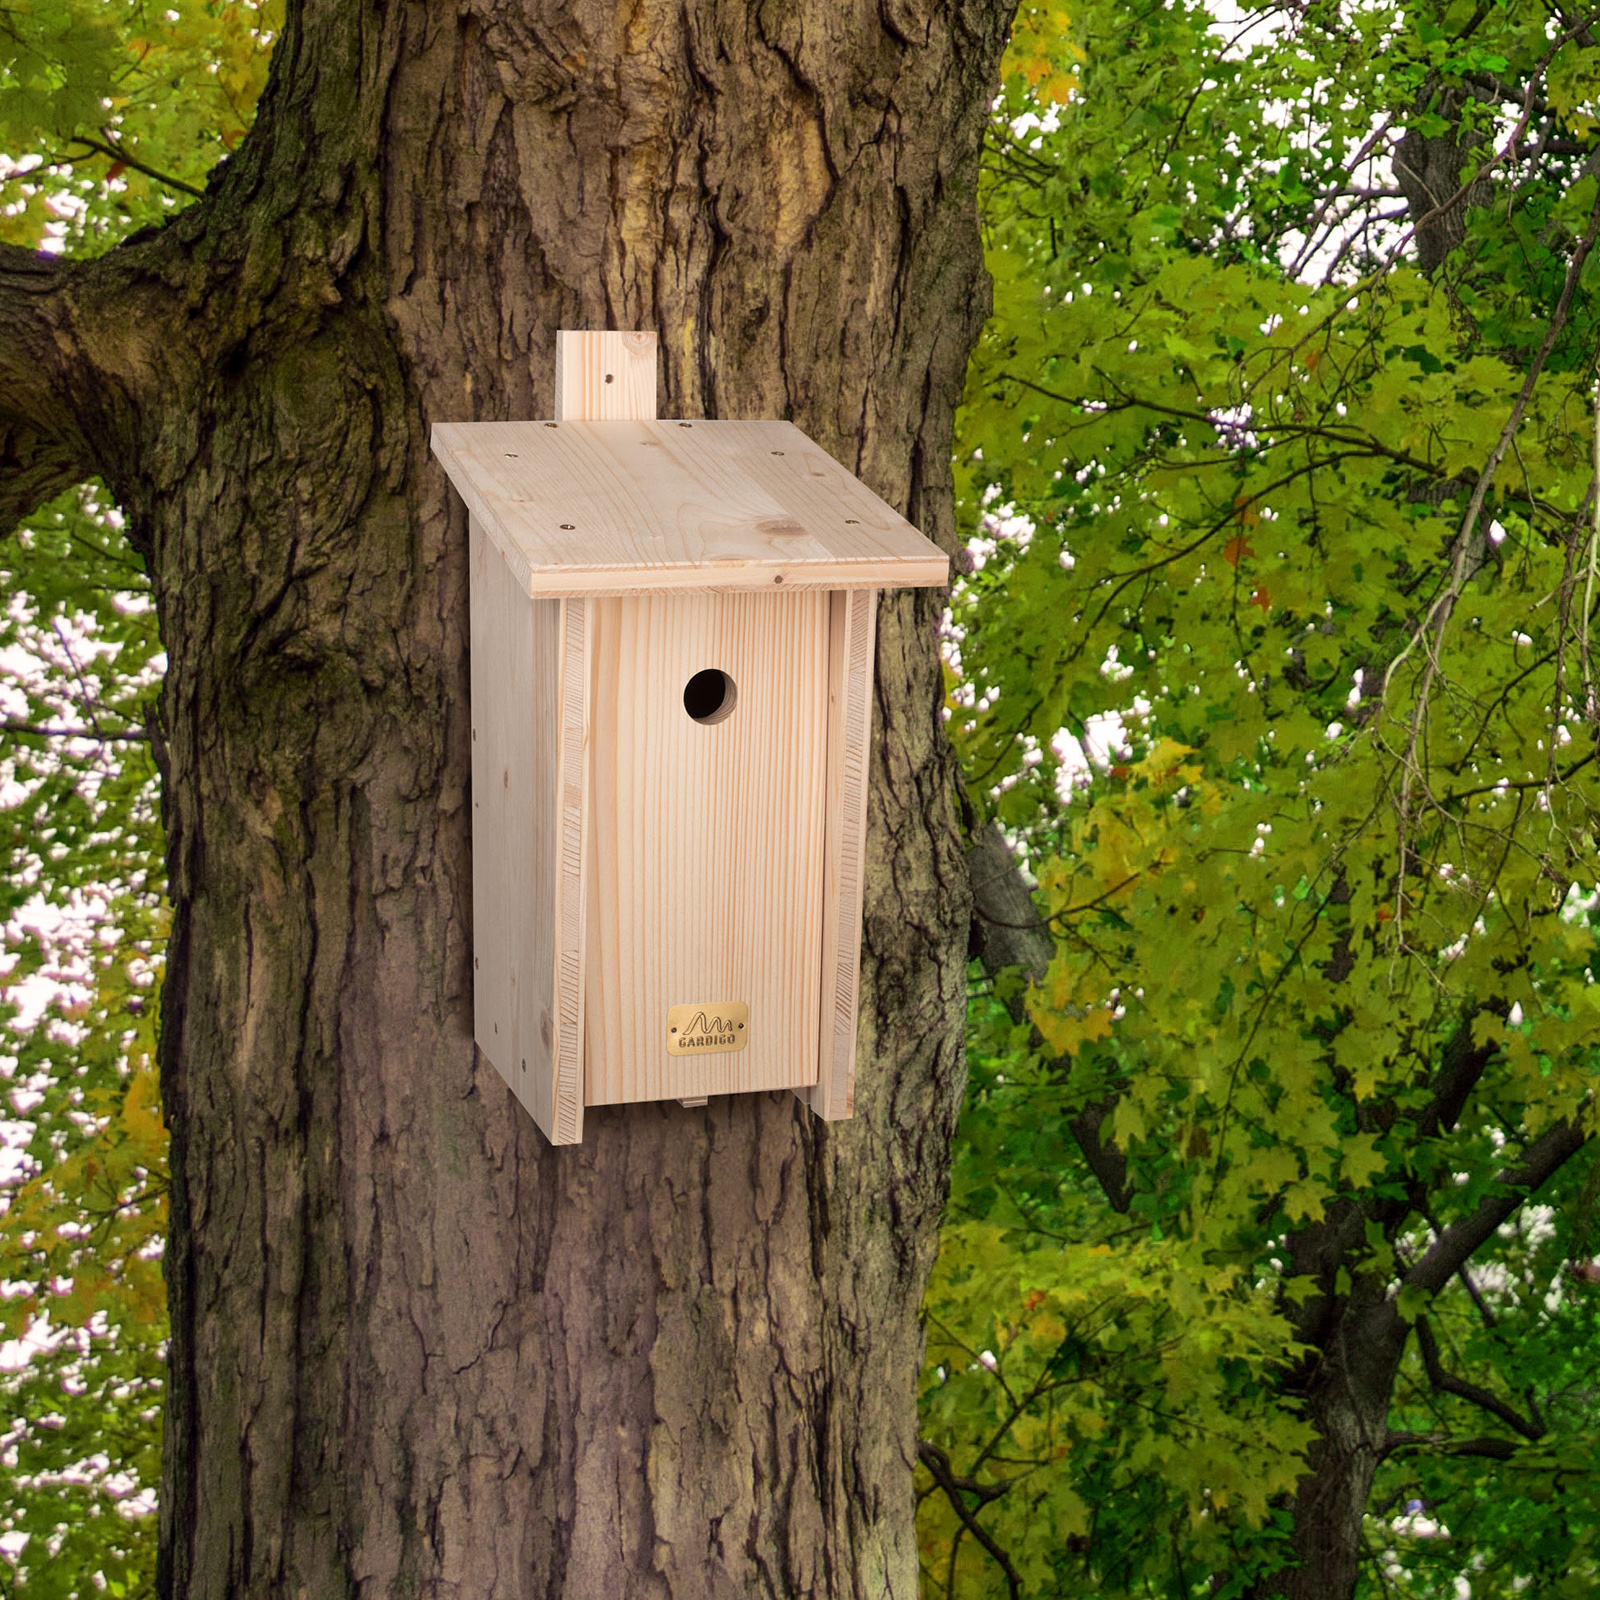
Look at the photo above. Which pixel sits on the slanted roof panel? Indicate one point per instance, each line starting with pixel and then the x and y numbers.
pixel 630 507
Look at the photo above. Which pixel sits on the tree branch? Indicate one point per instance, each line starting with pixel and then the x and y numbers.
pixel 1459 1070
pixel 1008 932
pixel 82 344
pixel 1106 1161
pixel 42 450
pixel 1441 1444
pixel 1487 1317
pixel 938 1465
pixel 1455 1246
pixel 1484 1399
pixel 13 725
pixel 118 155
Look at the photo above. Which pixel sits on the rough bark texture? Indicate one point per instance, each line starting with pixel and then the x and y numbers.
pixel 1428 167
pixel 75 349
pixel 415 1350
pixel 1346 1382
pixel 1348 1401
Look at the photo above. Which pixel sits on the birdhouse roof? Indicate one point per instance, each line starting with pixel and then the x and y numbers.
pixel 614 508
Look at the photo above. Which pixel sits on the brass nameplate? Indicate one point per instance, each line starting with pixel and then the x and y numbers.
pixel 707 1029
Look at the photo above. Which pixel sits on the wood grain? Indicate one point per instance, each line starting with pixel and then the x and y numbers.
pixel 852 631
pixel 629 859
pixel 605 375
pixel 515 724
pixel 613 508
pixel 571 881
pixel 599 374
pixel 706 841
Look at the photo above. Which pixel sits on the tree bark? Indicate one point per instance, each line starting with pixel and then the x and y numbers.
pixel 76 347
pixel 416 1351
pixel 1330 1505
pixel 1428 168
pixel 1346 1384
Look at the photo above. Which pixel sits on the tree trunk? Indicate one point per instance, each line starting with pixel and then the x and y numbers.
pixel 1348 1402
pixel 415 1350
pixel 1428 168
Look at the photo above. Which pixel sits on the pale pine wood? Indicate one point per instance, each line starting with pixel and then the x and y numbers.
pixel 706 859
pixel 852 631
pixel 630 859
pixel 598 375
pixel 571 850
pixel 605 376
pixel 612 508
pixel 515 729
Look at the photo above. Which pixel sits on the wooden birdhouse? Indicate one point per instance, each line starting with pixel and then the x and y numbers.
pixel 672 658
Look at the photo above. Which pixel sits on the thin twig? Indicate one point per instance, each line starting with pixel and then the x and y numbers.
pixel 1448 1383
pixel 1591 704
pixel 1432 630
pixel 116 153
pixel 77 672
pixel 1480 492
pixel 938 1465
pixel 13 725
pixel 1507 149
pixel 1490 1321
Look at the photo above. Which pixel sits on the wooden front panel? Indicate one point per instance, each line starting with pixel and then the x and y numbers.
pixel 705 841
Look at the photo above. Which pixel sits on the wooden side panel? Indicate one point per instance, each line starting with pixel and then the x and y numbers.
pixel 571 944
pixel 605 376
pixel 706 841
pixel 852 634
pixel 515 735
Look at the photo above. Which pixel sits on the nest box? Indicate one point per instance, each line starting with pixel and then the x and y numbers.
pixel 672 658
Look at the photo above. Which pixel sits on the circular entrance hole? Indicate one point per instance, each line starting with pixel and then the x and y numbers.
pixel 709 696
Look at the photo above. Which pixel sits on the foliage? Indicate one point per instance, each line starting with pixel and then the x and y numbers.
pixel 81 1232
pixel 1304 536
pixel 1532 1325
pixel 1117 1393
pixel 1275 657
pixel 110 116
pixel 112 113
